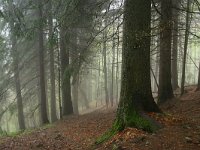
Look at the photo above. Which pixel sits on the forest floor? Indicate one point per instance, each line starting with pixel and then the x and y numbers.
pixel 181 131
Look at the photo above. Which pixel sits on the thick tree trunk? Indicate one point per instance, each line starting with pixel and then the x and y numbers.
pixel 185 46
pixel 175 45
pixel 165 91
pixel 67 107
pixel 43 98
pixel 52 70
pixel 16 71
pixel 136 96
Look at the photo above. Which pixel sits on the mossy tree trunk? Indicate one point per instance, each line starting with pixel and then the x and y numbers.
pixel 136 95
pixel 165 91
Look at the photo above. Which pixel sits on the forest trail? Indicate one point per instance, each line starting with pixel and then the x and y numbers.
pixel 181 131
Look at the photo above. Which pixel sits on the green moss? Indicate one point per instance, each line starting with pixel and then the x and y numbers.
pixel 109 134
pixel 134 120
pixel 137 121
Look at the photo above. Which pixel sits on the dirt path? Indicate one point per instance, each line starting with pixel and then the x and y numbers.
pixel 181 131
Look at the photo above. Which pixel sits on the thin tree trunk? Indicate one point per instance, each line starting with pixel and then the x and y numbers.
pixel 59 86
pixel 113 66
pixel 198 85
pixel 105 67
pixel 185 46
pixel 117 63
pixel 75 94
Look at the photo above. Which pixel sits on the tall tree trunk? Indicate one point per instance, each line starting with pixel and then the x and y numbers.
pixel 185 46
pixel 117 67
pixel 136 95
pixel 43 97
pixel 105 66
pixel 52 70
pixel 175 45
pixel 67 107
pixel 59 84
pixel 16 70
pixel 113 65
pixel 165 91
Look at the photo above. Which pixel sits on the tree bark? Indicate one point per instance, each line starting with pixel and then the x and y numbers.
pixel 136 95
pixel 113 66
pixel 105 66
pixel 185 46
pixel 75 93
pixel 16 71
pixel 52 70
pixel 198 85
pixel 67 107
pixel 165 91
pixel 175 45
pixel 43 97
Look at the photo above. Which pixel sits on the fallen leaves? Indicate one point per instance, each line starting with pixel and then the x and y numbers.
pixel 167 120
pixel 181 132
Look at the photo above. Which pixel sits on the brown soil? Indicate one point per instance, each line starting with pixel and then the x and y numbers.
pixel 181 131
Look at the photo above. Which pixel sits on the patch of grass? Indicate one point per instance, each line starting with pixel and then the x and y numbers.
pixel 10 134
pixel 46 126
pixel 25 132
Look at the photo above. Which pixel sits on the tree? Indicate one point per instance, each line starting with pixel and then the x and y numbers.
pixel 43 97
pixel 52 70
pixel 165 91
pixel 185 45
pixel 67 107
pixel 175 44
pixel 136 96
pixel 198 85
pixel 16 67
pixel 105 66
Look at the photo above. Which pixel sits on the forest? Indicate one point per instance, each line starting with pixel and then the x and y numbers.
pixel 99 74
